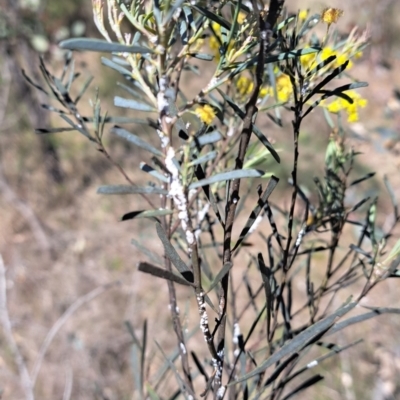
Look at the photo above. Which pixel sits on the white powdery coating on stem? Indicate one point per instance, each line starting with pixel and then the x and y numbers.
pixel 183 348
pixel 300 237
pixel 203 212
pixel 236 333
pixel 164 139
pixel 312 364
pixel 255 224
pixel 162 101
pixel 189 237
pixel 221 392
pixel 217 364
pixel 203 316
pixel 176 192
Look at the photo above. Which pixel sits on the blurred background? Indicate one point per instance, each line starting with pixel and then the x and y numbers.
pixel 62 243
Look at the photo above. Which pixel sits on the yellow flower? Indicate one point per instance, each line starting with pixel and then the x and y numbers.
pixel 307 59
pixel 342 58
pixel 358 55
pixel 263 92
pixel 241 17
pixel 215 43
pixel 310 61
pixel 206 113
pixel 351 109
pixel 303 15
pixel 331 15
pixel 244 86
pixel 283 88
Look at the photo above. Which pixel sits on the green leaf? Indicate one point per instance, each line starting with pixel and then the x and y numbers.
pixel 321 65
pixel 129 189
pixel 363 317
pixel 173 255
pixel 362 179
pixel 42 131
pixel 202 56
pixel 227 176
pixel 172 10
pixel 136 140
pixel 392 195
pixel 284 23
pixel 150 254
pixel 207 157
pixel 133 104
pixel 83 90
pixel 223 271
pixel 101 46
pixel 145 214
pixel 150 170
pixel 257 209
pixel 208 138
pixel 287 55
pixel 143 355
pixel 335 92
pixel 152 393
pixel 116 67
pixel 337 71
pixel 260 136
pixel 213 17
pixel 304 385
pixel 299 342
pixel 162 273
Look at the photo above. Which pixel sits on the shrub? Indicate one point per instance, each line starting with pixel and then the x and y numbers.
pixel 265 63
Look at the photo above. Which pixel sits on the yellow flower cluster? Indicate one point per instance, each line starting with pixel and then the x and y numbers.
pixel 310 61
pixel 351 109
pixel 244 86
pixel 283 87
pixel 331 15
pixel 206 113
pixel 303 14
pixel 215 43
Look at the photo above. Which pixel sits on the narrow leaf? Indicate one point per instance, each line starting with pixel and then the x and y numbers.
pixel 260 136
pixel 102 46
pixel 136 140
pixel 304 385
pixel 227 176
pixel 162 273
pixel 172 254
pixel 207 157
pixel 337 71
pixel 42 131
pixel 213 17
pixel 129 189
pixel 364 178
pixel 133 104
pixel 257 209
pixel 363 317
pixel 208 138
pixel 299 342
pixel 150 254
pixel 393 199
pixel 145 214
pixel 223 271
pixel 202 56
pixel 150 170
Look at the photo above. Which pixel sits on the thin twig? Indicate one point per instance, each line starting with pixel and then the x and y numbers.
pixel 78 303
pixel 26 382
